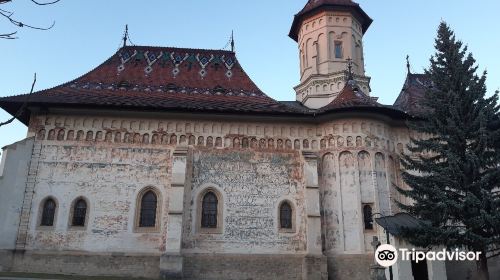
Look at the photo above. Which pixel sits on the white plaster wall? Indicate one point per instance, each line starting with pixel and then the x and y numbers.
pixel 110 177
pixel 144 156
pixel 362 148
pixel 15 163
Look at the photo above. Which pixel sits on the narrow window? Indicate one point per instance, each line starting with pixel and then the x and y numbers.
pixel 285 216
pixel 209 211
pixel 368 216
pixel 79 213
pixel 48 212
pixel 338 49
pixel 148 210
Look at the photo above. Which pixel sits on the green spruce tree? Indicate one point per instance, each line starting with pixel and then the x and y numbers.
pixel 453 170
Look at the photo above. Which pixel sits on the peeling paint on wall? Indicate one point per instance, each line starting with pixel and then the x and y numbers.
pixel 252 184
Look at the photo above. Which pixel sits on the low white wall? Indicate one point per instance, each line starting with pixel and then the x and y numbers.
pixel 15 163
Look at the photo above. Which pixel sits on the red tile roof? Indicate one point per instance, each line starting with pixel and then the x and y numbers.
pixel 413 91
pixel 160 78
pixel 171 68
pixel 171 80
pixel 350 97
pixel 313 6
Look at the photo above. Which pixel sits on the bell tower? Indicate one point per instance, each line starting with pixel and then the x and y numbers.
pixel 329 34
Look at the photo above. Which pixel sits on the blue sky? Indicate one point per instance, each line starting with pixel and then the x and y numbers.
pixel 88 32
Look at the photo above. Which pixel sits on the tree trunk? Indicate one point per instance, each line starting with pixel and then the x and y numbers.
pixel 482 267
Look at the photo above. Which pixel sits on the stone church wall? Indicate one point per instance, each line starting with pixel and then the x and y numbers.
pixel 252 184
pixel 357 169
pixel 253 166
pixel 81 169
pixel 254 266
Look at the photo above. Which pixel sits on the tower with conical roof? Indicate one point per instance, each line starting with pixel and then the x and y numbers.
pixel 329 34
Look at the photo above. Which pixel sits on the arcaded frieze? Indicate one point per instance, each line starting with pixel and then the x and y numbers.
pixel 339 134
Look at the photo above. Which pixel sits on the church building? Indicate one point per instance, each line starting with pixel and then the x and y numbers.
pixel 171 163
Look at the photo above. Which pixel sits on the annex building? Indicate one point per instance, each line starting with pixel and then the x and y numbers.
pixel 172 162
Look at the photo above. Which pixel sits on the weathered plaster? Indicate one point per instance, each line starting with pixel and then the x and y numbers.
pixel 74 169
pixel 252 185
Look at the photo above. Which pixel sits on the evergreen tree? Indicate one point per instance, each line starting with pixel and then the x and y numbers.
pixel 454 168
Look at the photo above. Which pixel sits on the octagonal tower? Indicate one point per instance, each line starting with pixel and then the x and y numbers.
pixel 329 33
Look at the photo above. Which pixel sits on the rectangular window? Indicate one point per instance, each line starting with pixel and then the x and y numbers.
pixel 338 49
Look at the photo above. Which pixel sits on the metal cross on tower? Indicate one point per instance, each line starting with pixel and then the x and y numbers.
pixel 232 41
pixel 408 66
pixel 125 36
pixel 349 69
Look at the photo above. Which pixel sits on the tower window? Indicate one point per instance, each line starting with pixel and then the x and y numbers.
pixel 338 49
pixel 209 211
pixel 368 216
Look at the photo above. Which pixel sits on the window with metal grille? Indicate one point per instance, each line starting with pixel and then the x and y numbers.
pixel 368 216
pixel 79 213
pixel 209 211
pixel 148 210
pixel 48 212
pixel 285 215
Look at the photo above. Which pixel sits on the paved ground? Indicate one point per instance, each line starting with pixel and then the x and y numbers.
pixel 17 278
pixel 36 276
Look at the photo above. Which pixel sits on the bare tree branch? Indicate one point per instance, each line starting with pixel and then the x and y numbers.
pixel 23 107
pixel 8 15
pixel 44 3
pixel 36 2
pixel 9 36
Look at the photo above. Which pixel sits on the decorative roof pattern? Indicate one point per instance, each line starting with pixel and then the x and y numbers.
pixel 159 78
pixel 135 67
pixel 172 80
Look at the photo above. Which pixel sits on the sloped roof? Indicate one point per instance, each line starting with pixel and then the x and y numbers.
pixel 160 78
pixel 313 6
pixel 413 91
pixel 396 224
pixel 351 97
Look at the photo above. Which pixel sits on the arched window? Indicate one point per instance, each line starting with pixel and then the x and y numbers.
pixel 209 211
pixel 79 213
pixel 147 216
pixel 338 49
pixel 368 217
pixel 286 216
pixel 48 213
